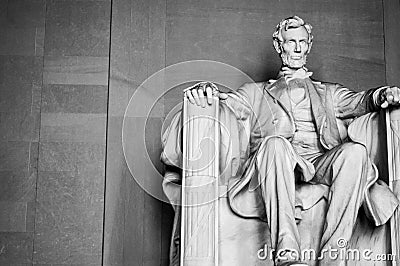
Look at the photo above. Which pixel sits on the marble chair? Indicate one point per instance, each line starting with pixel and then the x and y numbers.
pixel 208 232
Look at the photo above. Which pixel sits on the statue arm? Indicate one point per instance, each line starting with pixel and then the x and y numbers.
pixel 240 102
pixel 351 104
pixel 235 118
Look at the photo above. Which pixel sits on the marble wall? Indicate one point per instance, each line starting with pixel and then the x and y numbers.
pixel 137 226
pixel 53 91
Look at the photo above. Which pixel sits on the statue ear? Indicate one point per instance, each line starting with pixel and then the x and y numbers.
pixel 277 46
pixel 309 47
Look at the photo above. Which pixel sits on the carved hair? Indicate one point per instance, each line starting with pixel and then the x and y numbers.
pixel 290 23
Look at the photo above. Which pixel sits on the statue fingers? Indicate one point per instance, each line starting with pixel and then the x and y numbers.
pixel 214 87
pixel 196 96
pixel 384 105
pixel 223 95
pixel 396 95
pixel 215 92
pixel 189 96
pixel 392 96
pixel 209 93
pixel 389 97
pixel 189 92
pixel 201 97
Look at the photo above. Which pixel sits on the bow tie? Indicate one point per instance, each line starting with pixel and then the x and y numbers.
pixel 289 74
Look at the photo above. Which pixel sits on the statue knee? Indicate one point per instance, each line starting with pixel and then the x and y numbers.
pixel 275 148
pixel 355 155
pixel 275 143
pixel 354 151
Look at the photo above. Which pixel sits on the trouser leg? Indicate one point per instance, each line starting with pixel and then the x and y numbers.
pixel 346 169
pixel 277 180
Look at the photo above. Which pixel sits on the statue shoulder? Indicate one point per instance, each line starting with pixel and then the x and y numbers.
pixel 252 85
pixel 252 88
pixel 326 85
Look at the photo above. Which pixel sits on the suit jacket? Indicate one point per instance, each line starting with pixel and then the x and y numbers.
pixel 333 107
pixel 260 108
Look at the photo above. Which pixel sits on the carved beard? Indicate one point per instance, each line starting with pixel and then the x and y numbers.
pixel 287 61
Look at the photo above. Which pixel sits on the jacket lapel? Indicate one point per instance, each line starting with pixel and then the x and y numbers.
pixel 276 90
pixel 317 98
pixel 324 114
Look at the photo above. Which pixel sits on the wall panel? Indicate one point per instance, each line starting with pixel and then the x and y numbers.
pixel 21 66
pixel 53 105
pixel 72 149
pixel 133 219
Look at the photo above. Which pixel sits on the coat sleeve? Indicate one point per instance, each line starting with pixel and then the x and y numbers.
pixel 351 104
pixel 234 122
pixel 239 102
pixel 171 156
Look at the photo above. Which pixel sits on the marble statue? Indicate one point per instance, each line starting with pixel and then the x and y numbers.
pixel 292 136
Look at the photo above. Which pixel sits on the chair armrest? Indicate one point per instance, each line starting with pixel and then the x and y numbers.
pixel 370 130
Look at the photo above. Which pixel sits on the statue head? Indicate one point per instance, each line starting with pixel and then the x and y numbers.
pixel 292 39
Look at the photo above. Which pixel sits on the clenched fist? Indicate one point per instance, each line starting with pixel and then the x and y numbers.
pixel 389 96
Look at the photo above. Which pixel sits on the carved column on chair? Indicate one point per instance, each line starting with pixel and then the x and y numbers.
pixel 199 231
pixel 393 144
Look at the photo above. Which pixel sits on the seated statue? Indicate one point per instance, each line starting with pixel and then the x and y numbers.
pixel 292 135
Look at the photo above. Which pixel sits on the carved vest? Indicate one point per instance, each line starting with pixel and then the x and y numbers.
pixel 305 140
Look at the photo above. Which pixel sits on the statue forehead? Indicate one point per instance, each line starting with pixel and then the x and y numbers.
pixel 297 33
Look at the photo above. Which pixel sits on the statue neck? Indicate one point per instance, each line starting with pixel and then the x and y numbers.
pixel 292 73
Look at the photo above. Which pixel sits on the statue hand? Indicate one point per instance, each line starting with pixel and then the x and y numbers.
pixel 197 93
pixel 389 96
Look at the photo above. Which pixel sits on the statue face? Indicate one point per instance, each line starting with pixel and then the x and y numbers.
pixel 294 47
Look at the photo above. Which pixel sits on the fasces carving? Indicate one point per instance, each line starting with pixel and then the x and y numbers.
pixel 199 230
pixel 393 142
